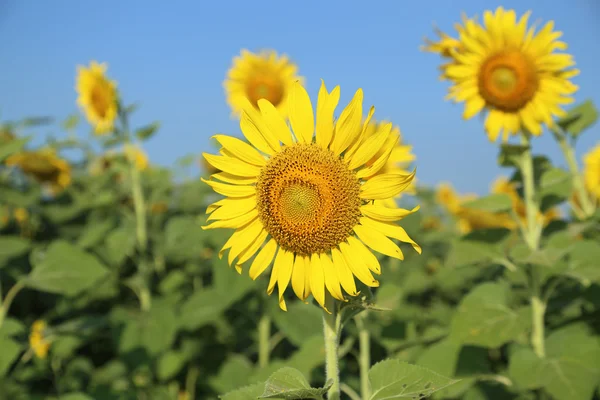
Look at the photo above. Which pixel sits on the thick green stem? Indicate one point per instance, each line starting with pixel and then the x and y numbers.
pixel 264 339
pixel 331 330
pixel 364 362
pixel 532 237
pixel 587 206
pixel 10 296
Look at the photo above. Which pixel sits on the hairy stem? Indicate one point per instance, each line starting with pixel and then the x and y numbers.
pixel 264 338
pixel 331 331
pixel 364 359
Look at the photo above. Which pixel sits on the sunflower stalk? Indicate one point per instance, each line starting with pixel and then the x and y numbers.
pixel 532 237
pixel 364 362
pixel 139 207
pixel 587 206
pixel 331 330
pixel 7 301
pixel 264 339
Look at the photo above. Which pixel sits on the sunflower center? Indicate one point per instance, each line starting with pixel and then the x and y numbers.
pixel 265 87
pixel 307 198
pixel 100 101
pixel 508 81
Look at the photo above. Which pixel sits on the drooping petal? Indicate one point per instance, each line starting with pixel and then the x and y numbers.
pixel 298 276
pixel 390 230
pixel 378 242
pixel 370 147
pixel 263 259
pixel 365 254
pixel 234 222
pixel 386 214
pixel 241 149
pixel 343 271
pixel 332 282
pixel 230 190
pixel 386 186
pixel 317 280
pixel 232 165
pixel 357 265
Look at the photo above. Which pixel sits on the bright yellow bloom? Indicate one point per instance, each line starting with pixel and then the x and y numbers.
pixel 302 201
pixel 21 215
pixel 98 97
pixel 503 185
pixel 591 172
pixel 44 166
pixel 37 341
pixel 263 75
pixel 469 219
pixel 509 71
pixel 137 156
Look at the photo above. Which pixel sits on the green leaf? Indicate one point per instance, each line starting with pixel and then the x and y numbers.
pixel 35 121
pixel 479 246
pixel 147 131
pixel 169 364
pixel 484 319
pixel 234 373
pixel 579 118
pixel 555 187
pixel 12 147
pixel 251 392
pixel 441 357
pixel 511 154
pixel 120 244
pixel 152 330
pixel 583 262
pixel 494 203
pixel 289 383
pixel 94 232
pixel 395 379
pixel 66 269
pixel 301 321
pixel 570 369
pixel 10 351
pixel 202 308
pixel 12 246
pixel 71 122
pixel 182 237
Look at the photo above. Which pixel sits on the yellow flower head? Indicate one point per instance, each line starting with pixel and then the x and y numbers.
pixel 302 201
pixel 38 343
pixel 591 172
pixel 445 47
pixel 263 75
pixel 44 166
pixel 98 97
pixel 503 185
pixel 511 72
pixel 137 156
pixel 21 215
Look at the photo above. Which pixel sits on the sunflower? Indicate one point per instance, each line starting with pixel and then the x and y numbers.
pixel 137 156
pixel 44 166
pixel 510 71
pixel 98 97
pixel 37 340
pixel 260 76
pixel 302 201
pixel 503 186
pixel 591 172
pixel 399 159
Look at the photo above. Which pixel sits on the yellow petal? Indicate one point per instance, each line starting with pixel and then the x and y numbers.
pixel 307 275
pixel 298 276
pixel 378 242
pixel 386 186
pixel 230 190
pixel 241 149
pixel 473 106
pixel 370 147
pixel 234 222
pixel 363 134
pixel 365 254
pixel 256 118
pixel 275 271
pixel 301 113
pixel 326 104
pixel 317 280
pixel 253 134
pixel 380 162
pixel 263 259
pixel 347 127
pixel 244 239
pixel 214 206
pixel 391 230
pixel 275 122
pixel 252 249
pixel 284 271
pixel 232 166
pixel 357 265
pixel 343 271
pixel 385 213
pixel 332 282
pixel 236 180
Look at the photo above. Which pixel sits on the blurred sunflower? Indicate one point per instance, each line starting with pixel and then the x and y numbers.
pixel 470 219
pixel 37 340
pixel 301 201
pixel 137 156
pixel 44 166
pixel 508 70
pixel 399 159
pixel 264 75
pixel 503 185
pixel 98 97
pixel 591 172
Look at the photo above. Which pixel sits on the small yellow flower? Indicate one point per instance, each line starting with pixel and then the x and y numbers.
pixel 591 172
pixel 21 215
pixel 503 185
pixel 509 71
pixel 44 166
pixel 158 208
pixel 137 156
pixel 38 343
pixel 264 75
pixel 98 97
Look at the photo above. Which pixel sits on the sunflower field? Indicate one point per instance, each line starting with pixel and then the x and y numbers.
pixel 308 261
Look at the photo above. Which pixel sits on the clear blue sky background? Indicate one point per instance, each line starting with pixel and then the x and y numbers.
pixel 172 58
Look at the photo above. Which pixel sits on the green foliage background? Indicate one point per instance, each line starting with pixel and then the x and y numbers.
pixel 172 321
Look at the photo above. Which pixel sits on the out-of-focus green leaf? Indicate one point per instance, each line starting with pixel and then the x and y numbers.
pixel 94 232
pixel 579 118
pixel 478 246
pixel 494 203
pixel 555 187
pixel 394 379
pixel 510 154
pixel 66 269
pixel 169 364
pixel 147 131
pixel 10 352
pixel 71 122
pixel 251 392
pixel 153 330
pixel 583 262
pixel 289 383
pixel 12 147
pixel 234 373
pixel 120 244
pixel 12 246
pixel 182 238
pixel 301 321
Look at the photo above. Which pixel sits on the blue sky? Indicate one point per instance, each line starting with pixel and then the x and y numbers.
pixel 172 58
